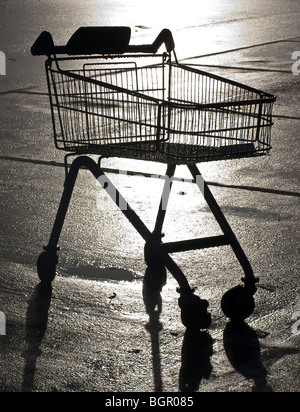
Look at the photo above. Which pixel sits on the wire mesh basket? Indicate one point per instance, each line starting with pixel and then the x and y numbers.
pixel 121 105
pixel 118 100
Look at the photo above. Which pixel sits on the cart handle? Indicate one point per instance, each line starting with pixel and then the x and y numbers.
pixel 164 37
pixel 99 40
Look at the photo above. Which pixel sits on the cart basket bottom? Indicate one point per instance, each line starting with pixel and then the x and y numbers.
pixel 165 152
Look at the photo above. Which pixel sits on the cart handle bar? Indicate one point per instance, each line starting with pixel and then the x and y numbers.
pixel 100 40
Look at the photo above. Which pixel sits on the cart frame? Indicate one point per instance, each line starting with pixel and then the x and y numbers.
pixel 161 123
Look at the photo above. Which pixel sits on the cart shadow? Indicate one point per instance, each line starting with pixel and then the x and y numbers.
pixel 36 326
pixel 153 305
pixel 243 351
pixel 197 349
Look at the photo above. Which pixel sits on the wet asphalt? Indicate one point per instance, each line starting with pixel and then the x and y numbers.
pixel 98 328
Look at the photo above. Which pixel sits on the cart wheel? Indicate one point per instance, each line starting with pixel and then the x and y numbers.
pixel 46 266
pixel 238 303
pixel 194 315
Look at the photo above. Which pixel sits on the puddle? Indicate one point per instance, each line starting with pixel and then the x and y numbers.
pixel 100 274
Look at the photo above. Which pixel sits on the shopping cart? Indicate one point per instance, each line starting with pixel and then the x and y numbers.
pixel 114 99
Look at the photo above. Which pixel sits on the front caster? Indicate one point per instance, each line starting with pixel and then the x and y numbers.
pixel 238 303
pixel 46 266
pixel 194 315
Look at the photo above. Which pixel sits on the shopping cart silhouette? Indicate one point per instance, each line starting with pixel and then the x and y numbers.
pixel 114 99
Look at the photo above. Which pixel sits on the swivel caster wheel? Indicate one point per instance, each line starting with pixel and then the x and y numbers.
pixel 46 266
pixel 238 303
pixel 194 315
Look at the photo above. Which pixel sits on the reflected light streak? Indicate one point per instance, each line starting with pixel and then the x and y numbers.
pixel 162 13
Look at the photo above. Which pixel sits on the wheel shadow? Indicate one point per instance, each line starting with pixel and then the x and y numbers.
pixel 240 341
pixel 153 282
pixel 36 326
pixel 197 349
pixel 243 351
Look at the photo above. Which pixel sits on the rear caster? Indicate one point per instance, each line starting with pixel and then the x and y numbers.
pixel 194 315
pixel 238 303
pixel 46 266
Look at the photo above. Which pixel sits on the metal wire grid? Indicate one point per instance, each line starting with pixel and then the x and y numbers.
pixel 102 111
pixel 209 111
pixel 171 110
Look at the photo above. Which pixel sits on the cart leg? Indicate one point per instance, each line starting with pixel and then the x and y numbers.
pixel 150 239
pixel 237 303
pixel 47 261
pixel 193 309
pixel 164 199
pixel 194 313
pixel 151 258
